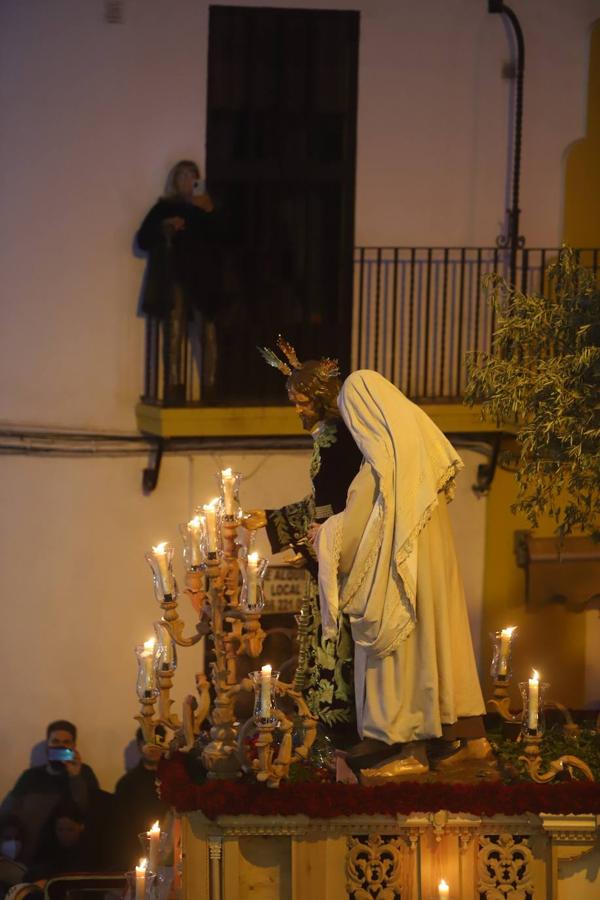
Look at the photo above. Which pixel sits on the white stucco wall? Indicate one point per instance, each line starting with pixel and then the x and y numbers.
pixel 92 116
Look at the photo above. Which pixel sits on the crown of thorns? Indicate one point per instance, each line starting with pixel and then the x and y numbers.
pixel 324 368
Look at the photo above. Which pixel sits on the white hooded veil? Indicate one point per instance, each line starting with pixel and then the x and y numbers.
pixel 413 463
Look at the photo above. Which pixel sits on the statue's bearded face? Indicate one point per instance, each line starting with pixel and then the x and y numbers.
pixel 308 408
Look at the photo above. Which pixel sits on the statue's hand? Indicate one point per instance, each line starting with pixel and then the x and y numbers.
pixel 297 561
pixel 313 530
pixel 254 519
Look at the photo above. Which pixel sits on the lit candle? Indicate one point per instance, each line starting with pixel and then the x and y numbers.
pixel 167 652
pixel 251 572
pixel 228 482
pixel 154 839
pixel 210 511
pixel 162 561
pixel 148 659
pixel 443 890
pixel 505 638
pixel 140 879
pixel 265 691
pixel 534 701
pixel 195 533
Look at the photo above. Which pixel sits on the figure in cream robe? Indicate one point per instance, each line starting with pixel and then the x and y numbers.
pixel 388 563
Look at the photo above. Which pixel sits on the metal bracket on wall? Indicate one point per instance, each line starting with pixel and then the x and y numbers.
pixel 486 471
pixel 152 471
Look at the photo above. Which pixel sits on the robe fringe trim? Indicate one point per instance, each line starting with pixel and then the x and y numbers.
pixel 446 485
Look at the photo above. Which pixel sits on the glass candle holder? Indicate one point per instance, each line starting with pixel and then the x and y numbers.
pixel 194 543
pixel 154 844
pixel 165 654
pixel 245 542
pixel 211 513
pixel 264 696
pixel 146 677
pixel 533 693
pixel 229 487
pixel 501 668
pixel 140 883
pixel 253 569
pixel 160 559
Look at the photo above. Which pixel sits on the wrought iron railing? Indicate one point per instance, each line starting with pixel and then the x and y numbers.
pixel 418 310
pixel 416 313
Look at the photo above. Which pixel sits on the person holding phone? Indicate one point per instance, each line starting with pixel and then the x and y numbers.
pixel 182 236
pixel 39 790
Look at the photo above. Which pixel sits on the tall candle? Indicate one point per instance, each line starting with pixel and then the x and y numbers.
pixel 505 636
pixel 167 656
pixel 140 879
pixel 265 691
pixel 195 532
pixel 251 572
pixel 210 511
pixel 228 482
pixel 148 660
pixel 162 561
pixel 154 841
pixel 534 701
pixel 443 890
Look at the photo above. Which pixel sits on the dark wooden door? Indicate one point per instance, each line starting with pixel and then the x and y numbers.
pixel 281 153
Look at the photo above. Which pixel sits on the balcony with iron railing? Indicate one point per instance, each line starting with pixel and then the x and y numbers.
pixel 417 313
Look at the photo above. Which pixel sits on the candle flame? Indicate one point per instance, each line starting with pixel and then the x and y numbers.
pixel 155 828
pixel 142 866
pixel 266 670
pixel 253 558
pixel 535 676
pixel 149 644
pixel 160 548
pixel 443 884
pixel 227 473
pixel 507 632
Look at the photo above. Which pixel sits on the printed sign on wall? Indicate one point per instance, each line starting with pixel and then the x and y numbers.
pixel 285 589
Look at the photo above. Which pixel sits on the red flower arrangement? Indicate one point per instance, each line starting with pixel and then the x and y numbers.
pixel 327 801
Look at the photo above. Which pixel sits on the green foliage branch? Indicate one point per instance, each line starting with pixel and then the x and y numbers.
pixel 543 377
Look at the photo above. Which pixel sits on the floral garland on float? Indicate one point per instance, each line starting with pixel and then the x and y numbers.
pixel 327 801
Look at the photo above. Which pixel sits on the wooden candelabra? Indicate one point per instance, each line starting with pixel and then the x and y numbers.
pixel 234 629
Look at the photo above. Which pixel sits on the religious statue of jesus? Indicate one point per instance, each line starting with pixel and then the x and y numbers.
pixel 387 564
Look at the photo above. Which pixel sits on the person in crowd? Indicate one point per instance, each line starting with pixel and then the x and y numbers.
pixel 182 236
pixel 137 804
pixel 12 837
pixel 12 840
pixel 387 564
pixel 65 845
pixel 312 387
pixel 40 789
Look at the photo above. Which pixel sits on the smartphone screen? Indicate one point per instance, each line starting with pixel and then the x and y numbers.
pixel 61 754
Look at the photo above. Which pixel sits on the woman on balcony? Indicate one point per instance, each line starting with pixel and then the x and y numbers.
pixel 180 234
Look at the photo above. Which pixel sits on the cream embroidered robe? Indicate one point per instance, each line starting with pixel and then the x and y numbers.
pixel 430 677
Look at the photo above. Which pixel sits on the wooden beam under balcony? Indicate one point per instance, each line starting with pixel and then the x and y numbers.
pixel 278 421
